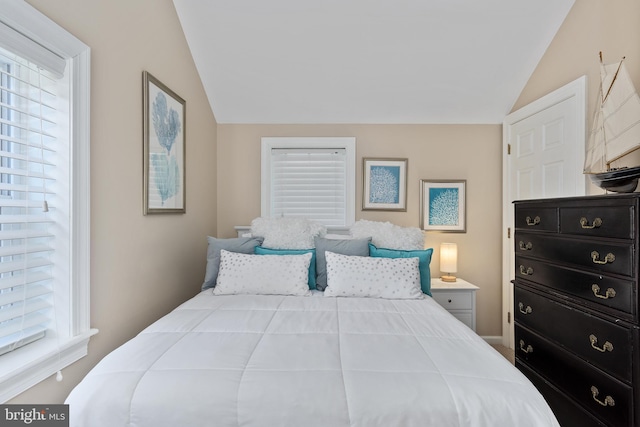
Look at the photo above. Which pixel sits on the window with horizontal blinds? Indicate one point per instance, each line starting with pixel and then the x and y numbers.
pixel 309 177
pixel 44 157
pixel 309 183
pixel 28 126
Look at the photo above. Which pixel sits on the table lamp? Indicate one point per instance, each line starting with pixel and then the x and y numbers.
pixel 448 261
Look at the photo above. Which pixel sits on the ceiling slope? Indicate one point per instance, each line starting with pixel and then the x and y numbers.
pixel 363 61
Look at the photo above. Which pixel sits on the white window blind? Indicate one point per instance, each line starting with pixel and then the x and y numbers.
pixel 44 156
pixel 27 228
pixel 14 41
pixel 309 183
pixel 310 177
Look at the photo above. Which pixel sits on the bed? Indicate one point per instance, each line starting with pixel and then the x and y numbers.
pixel 237 355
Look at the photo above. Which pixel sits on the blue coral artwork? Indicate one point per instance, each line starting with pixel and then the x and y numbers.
pixel 166 171
pixel 166 122
pixel 385 184
pixel 444 206
pixel 165 149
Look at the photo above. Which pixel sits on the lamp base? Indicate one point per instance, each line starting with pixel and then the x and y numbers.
pixel 448 278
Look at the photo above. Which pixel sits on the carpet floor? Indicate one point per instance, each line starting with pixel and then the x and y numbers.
pixel 506 352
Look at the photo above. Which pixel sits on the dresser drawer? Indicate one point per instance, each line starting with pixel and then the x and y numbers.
pixel 452 300
pixel 596 290
pixel 603 343
pixel 567 412
pixel 600 221
pixel 534 218
pixel 602 395
pixel 597 256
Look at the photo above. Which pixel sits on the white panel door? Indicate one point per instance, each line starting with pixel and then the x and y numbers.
pixel 543 158
pixel 544 155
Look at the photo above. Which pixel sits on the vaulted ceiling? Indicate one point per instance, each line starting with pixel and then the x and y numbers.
pixel 367 61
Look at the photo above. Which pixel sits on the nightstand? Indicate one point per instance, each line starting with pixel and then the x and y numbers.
pixel 458 298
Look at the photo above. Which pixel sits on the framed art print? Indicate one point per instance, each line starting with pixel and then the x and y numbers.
pixel 164 148
pixel 443 205
pixel 384 184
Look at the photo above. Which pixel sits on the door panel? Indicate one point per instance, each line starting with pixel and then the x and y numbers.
pixel 543 157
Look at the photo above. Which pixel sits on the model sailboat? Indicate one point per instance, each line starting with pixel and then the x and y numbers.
pixel 615 132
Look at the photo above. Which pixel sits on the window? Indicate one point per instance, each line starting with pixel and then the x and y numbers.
pixel 44 198
pixel 309 177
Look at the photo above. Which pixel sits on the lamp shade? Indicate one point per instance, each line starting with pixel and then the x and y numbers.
pixel 448 260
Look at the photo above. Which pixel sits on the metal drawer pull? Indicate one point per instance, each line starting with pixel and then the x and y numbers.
pixel 584 223
pixel 528 349
pixel 608 258
pixel 523 310
pixel 526 271
pixel 609 293
pixel 535 220
pixel 608 400
pixel 526 246
pixel 606 347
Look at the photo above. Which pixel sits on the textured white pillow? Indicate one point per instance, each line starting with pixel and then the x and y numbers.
pixel 287 232
pixel 390 236
pixel 263 274
pixel 358 276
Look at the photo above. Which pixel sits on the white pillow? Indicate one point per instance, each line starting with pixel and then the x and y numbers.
pixel 263 274
pixel 287 232
pixel 359 276
pixel 388 235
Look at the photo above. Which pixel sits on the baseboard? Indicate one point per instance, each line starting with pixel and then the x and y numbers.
pixel 493 340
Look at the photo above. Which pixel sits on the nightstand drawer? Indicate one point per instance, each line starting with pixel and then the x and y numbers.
pixel 465 317
pixel 452 300
pixel 458 298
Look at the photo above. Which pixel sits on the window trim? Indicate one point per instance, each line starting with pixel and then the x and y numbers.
pixel 346 143
pixel 27 366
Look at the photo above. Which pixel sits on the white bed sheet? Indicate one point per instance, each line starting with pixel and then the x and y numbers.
pixel 249 360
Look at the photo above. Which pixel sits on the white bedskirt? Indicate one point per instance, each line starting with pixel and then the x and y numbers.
pixel 249 360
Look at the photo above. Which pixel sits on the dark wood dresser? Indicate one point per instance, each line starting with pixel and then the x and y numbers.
pixel 576 306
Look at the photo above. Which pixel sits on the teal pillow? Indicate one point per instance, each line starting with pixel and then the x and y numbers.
pixel 424 257
pixel 259 250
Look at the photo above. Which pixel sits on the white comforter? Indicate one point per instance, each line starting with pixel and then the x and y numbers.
pixel 248 360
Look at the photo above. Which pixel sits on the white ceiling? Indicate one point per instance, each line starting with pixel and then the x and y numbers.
pixel 367 61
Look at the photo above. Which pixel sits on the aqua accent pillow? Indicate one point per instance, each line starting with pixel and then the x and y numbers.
pixel 423 255
pixel 259 250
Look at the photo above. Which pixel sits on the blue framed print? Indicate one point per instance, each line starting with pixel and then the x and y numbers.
pixel 384 184
pixel 443 205
pixel 164 148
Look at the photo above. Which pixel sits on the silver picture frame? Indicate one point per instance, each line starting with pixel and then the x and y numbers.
pixel 443 205
pixel 384 184
pixel 164 135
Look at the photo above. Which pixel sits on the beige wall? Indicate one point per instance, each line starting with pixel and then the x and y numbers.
pixel 610 26
pixel 141 267
pixel 471 152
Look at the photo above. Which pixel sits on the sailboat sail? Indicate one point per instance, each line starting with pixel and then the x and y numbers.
pixel 616 123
